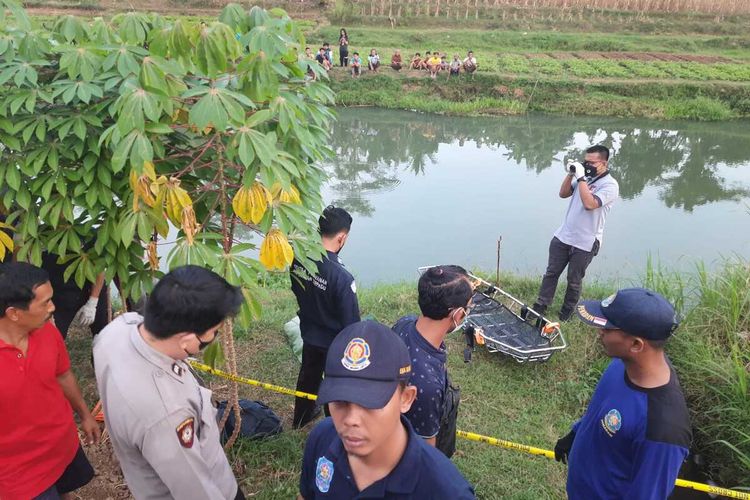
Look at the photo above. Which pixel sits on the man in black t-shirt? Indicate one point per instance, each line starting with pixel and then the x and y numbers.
pixel 327 304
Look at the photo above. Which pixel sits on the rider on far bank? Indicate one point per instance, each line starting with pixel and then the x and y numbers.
pixel 592 192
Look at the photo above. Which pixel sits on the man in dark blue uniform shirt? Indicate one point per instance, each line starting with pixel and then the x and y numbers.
pixel 367 449
pixel 636 431
pixel 444 295
pixel 327 303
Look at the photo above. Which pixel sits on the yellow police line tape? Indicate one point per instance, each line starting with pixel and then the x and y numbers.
pixel 705 488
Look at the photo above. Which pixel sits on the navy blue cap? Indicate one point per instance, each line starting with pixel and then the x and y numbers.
pixel 637 311
pixel 364 365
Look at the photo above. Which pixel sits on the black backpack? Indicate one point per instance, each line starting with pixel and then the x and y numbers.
pixel 258 420
pixel 446 437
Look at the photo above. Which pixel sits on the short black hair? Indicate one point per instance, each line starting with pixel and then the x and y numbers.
pixel 17 283
pixel 326 43
pixel 602 151
pixel 334 220
pixel 356 53
pixel 190 299
pixel 656 344
pixel 442 289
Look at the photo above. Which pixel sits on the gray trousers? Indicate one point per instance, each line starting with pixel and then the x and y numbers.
pixel 577 260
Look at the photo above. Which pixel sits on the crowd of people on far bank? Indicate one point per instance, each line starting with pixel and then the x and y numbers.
pixel 434 62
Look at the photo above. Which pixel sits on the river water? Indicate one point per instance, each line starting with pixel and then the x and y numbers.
pixel 426 189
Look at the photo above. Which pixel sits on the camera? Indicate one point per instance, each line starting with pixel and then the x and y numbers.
pixel 589 169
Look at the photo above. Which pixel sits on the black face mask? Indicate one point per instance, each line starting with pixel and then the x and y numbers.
pixel 202 345
pixel 589 169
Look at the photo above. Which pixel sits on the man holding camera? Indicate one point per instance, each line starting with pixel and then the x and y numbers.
pixel 592 191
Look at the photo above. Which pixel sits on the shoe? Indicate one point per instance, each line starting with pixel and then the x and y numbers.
pixel 565 314
pixel 539 309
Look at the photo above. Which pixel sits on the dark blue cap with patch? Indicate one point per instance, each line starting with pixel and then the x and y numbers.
pixel 364 365
pixel 636 311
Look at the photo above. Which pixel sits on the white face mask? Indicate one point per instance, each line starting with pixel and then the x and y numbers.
pixel 453 318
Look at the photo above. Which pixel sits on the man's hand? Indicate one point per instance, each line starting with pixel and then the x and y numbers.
pixel 563 446
pixel 86 314
pixel 90 428
pixel 576 169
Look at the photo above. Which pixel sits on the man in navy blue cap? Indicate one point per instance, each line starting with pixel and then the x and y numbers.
pixel 367 449
pixel 636 431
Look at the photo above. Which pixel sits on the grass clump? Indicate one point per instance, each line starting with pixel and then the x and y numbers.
pixel 700 108
pixel 711 352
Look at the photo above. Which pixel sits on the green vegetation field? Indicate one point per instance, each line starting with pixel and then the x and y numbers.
pixel 677 75
pixel 532 404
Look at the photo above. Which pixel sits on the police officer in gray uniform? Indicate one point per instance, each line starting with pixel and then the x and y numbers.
pixel 162 422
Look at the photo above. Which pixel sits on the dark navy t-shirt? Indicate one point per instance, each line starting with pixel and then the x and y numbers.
pixel 422 473
pixel 631 442
pixel 428 375
pixel 327 301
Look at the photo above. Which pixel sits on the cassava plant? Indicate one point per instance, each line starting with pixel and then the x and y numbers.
pixel 118 136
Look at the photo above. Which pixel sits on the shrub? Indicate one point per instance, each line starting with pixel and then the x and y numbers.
pixel 700 108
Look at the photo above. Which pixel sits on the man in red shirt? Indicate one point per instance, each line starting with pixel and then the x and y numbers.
pixel 41 455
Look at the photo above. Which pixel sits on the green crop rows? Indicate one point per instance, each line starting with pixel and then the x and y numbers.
pixel 519 64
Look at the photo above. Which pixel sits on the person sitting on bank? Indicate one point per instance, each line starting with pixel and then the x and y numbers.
pixel 356 63
pixel 433 65
pixel 328 53
pixel 396 61
pixel 444 65
pixel 322 59
pixel 444 297
pixel 425 59
pixel 455 66
pixel 416 61
pixel 373 61
pixel 367 449
pixel 40 451
pixel 309 57
pixel 636 432
pixel 327 303
pixel 470 63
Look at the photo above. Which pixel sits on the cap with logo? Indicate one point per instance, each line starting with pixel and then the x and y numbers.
pixel 636 311
pixel 364 365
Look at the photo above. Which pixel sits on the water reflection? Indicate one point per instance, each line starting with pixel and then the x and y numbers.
pixel 681 159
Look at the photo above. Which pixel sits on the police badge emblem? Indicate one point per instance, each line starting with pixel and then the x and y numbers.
pixel 356 355
pixel 186 432
pixel 324 474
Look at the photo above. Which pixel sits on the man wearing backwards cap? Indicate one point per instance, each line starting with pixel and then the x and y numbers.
pixel 636 432
pixel 367 449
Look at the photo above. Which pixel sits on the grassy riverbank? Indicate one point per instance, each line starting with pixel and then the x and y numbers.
pixel 532 404
pixel 684 75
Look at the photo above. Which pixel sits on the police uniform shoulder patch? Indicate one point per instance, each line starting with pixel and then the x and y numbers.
pixel 177 369
pixel 323 474
pixel 356 355
pixel 186 432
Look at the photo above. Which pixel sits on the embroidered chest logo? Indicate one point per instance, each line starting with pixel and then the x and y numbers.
pixel 612 422
pixel 186 432
pixel 324 474
pixel 356 355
